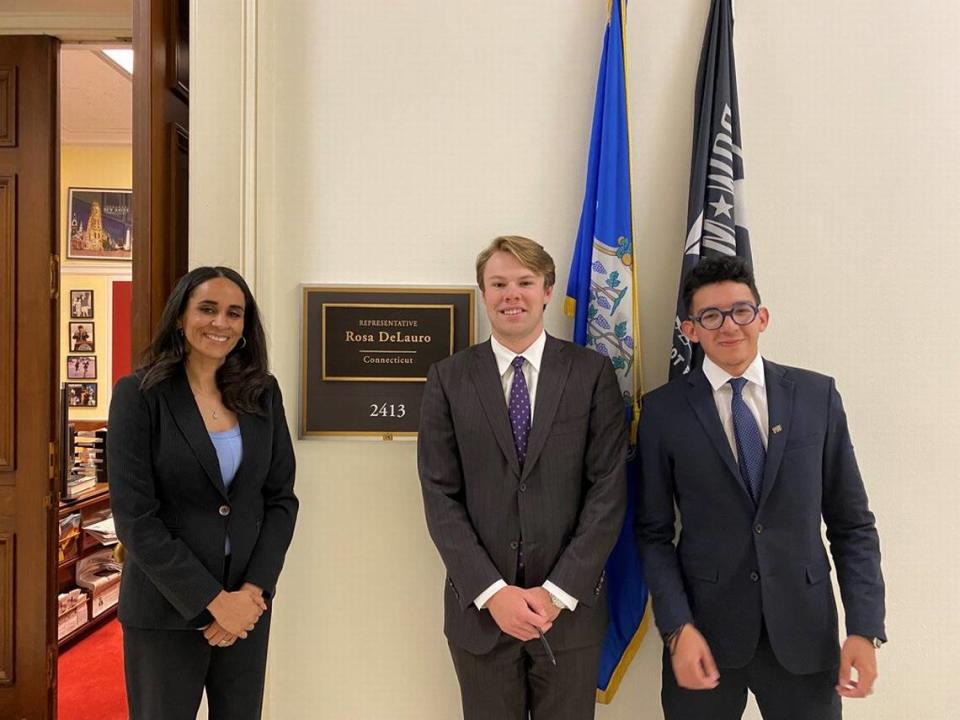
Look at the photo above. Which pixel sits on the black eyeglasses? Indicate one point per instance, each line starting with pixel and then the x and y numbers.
pixel 742 313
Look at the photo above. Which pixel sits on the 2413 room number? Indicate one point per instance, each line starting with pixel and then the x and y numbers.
pixel 388 410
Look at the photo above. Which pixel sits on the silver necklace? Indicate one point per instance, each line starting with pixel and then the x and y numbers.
pixel 215 413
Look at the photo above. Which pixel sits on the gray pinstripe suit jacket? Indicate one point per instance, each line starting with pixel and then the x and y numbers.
pixel 566 503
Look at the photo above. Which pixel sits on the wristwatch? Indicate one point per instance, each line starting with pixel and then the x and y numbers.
pixel 557 602
pixel 877 643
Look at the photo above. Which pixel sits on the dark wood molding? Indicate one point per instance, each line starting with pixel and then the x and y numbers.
pixel 8 107
pixel 179 193
pixel 7 609
pixel 178 49
pixel 8 318
pixel 160 254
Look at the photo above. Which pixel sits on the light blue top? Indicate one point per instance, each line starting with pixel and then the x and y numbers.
pixel 229 447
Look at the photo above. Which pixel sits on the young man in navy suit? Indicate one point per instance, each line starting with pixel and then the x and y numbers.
pixel 754 455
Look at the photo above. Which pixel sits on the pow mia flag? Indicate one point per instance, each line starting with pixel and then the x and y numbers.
pixel 716 221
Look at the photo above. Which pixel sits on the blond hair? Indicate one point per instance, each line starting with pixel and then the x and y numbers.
pixel 530 254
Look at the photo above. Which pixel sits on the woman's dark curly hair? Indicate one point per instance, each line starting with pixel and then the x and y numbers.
pixel 243 377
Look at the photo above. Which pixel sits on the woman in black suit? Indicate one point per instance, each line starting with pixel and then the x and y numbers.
pixel 201 471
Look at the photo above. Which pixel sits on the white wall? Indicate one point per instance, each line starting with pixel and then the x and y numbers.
pixel 394 139
pixel 216 142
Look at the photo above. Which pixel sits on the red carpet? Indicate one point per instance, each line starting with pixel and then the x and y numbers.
pixel 90 677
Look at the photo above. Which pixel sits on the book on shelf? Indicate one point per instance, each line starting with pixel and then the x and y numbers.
pixel 79 484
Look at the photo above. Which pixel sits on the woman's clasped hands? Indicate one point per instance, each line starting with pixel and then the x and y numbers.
pixel 234 615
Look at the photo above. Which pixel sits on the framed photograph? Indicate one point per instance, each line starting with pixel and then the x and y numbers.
pixel 82 394
pixel 81 337
pixel 81 304
pixel 81 367
pixel 100 224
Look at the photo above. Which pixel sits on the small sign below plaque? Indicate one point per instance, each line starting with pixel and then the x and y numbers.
pixel 366 352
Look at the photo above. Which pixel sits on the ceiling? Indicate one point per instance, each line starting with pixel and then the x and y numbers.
pixel 66 7
pixel 69 20
pixel 96 99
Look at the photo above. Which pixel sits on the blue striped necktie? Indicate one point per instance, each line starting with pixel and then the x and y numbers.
pixel 751 454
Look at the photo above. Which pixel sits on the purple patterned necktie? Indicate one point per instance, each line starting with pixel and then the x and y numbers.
pixel 519 409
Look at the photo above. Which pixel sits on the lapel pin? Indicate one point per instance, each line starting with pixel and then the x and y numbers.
pixel 776 429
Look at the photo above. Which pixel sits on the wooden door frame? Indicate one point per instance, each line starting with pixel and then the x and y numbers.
pixel 160 148
pixel 160 151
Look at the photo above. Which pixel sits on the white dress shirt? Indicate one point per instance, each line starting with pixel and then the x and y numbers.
pixel 754 395
pixel 533 356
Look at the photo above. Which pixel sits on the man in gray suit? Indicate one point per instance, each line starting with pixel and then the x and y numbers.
pixel 521 458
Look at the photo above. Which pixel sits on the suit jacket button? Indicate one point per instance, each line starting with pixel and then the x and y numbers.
pixel 758 528
pixel 523 487
pixel 514 545
pixel 224 510
pixel 754 576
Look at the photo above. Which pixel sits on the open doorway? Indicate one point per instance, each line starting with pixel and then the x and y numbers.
pixel 39 348
pixel 96 250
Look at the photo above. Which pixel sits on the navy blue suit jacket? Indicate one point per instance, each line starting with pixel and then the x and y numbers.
pixel 737 565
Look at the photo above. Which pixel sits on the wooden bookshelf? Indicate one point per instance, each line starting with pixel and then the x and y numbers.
pixel 93 496
pixel 90 505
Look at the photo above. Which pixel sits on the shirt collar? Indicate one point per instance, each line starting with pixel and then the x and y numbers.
pixel 533 354
pixel 718 377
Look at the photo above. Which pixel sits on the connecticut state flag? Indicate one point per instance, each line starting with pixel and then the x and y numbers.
pixel 601 297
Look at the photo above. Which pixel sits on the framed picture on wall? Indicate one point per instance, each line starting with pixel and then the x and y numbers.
pixel 81 337
pixel 81 367
pixel 99 224
pixel 81 304
pixel 82 394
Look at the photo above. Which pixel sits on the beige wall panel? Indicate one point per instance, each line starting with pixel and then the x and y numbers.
pixel 216 114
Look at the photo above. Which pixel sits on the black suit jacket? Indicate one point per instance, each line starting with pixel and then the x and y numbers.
pixel 172 512
pixel 736 565
pixel 566 504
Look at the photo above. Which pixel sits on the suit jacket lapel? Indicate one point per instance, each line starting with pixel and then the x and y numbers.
pixel 554 368
pixel 187 416
pixel 486 378
pixel 779 412
pixel 700 397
